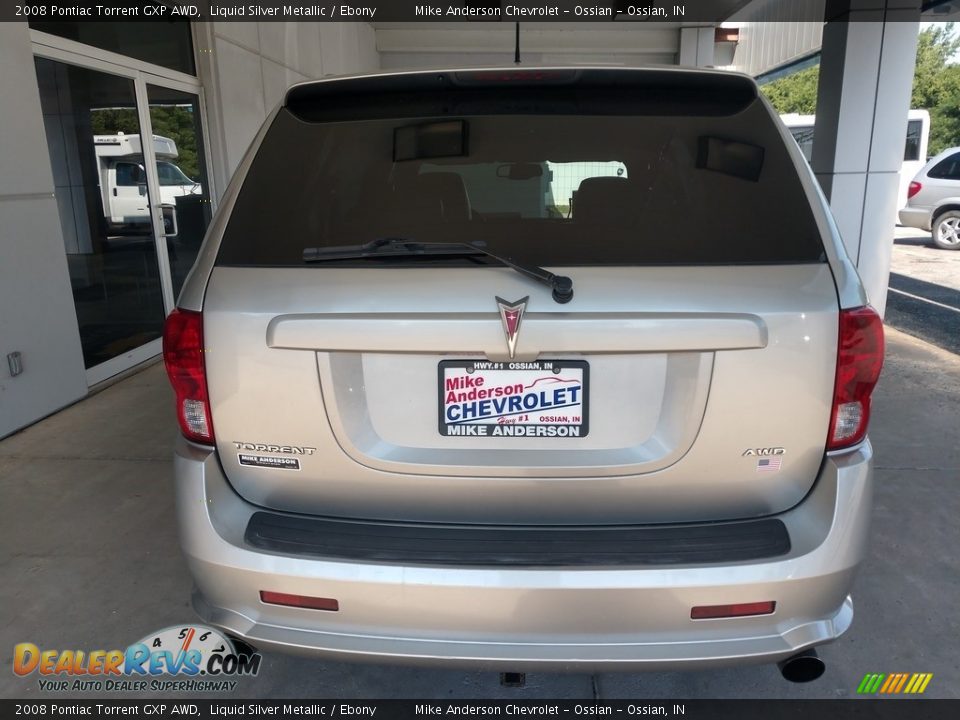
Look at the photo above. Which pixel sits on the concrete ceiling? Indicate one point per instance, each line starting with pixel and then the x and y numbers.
pixel 623 36
pixel 534 37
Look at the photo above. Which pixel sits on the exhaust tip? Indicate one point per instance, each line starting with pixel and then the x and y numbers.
pixel 803 667
pixel 513 679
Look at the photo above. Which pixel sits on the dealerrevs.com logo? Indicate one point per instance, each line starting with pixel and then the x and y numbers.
pixel 186 658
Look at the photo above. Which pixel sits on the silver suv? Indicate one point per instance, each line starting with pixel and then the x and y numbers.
pixel 933 200
pixel 508 368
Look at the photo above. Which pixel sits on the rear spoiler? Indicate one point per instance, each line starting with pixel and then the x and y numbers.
pixel 601 91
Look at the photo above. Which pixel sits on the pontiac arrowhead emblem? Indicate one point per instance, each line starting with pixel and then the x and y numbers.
pixel 511 313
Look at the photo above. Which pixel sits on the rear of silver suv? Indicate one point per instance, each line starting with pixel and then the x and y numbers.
pixel 540 368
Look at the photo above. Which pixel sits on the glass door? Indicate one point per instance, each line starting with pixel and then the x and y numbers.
pixel 182 199
pixel 134 196
pixel 97 155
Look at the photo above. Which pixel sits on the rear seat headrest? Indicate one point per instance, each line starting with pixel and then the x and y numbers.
pixel 605 200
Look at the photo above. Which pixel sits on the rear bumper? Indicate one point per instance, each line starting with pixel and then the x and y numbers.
pixel 916 217
pixel 521 618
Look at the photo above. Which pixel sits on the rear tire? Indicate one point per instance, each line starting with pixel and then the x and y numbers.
pixel 945 231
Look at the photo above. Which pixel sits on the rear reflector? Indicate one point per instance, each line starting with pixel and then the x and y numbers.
pixel 299 601
pixel 859 361
pixel 183 354
pixel 914 188
pixel 707 612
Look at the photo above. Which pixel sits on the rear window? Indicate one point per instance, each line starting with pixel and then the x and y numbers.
pixel 592 180
pixel 948 169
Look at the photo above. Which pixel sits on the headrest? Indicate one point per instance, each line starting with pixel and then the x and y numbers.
pixel 607 200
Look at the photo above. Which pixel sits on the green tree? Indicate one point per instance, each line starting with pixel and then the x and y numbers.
pixel 936 87
pixel 177 123
pixel 796 93
pixel 934 74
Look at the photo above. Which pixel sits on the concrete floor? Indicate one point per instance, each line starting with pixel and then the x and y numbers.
pixel 915 256
pixel 924 297
pixel 89 556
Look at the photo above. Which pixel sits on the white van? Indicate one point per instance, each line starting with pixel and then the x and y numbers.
pixel 123 180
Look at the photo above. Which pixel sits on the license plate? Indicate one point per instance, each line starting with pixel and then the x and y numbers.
pixel 546 398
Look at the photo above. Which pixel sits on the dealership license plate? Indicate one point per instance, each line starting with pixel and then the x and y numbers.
pixel 546 398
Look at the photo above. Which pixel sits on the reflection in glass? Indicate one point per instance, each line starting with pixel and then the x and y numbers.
pixel 184 185
pixel 804 137
pixel 96 156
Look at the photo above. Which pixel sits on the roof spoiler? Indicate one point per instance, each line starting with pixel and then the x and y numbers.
pixel 607 90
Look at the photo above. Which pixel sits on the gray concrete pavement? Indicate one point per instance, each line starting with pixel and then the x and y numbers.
pixel 89 556
pixel 924 297
pixel 915 256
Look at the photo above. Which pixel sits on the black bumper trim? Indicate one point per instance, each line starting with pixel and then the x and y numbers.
pixel 501 545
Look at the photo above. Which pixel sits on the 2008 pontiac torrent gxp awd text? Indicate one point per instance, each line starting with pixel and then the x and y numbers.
pixel 529 368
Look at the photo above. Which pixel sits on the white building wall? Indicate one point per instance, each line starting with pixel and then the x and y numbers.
pixel 37 316
pixel 451 45
pixel 769 39
pixel 696 47
pixel 862 104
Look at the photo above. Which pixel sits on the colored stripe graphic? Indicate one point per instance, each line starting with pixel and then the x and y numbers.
pixel 915 682
pixel 894 683
pixel 923 679
pixel 865 683
pixel 891 681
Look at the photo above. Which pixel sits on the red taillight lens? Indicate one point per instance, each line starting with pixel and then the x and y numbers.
pixel 859 360
pixel 914 188
pixel 183 356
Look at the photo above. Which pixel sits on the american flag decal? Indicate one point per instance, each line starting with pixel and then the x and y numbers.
pixel 769 464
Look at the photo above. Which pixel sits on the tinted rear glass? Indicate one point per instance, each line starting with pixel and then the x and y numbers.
pixel 948 169
pixel 591 180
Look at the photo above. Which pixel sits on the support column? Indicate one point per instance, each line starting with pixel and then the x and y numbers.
pixel 696 46
pixel 866 76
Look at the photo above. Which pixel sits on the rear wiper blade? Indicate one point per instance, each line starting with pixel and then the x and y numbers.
pixel 561 285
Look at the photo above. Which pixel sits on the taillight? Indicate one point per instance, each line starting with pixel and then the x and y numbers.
pixel 859 359
pixel 914 188
pixel 183 355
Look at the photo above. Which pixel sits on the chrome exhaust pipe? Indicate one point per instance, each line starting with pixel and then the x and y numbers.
pixel 802 667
